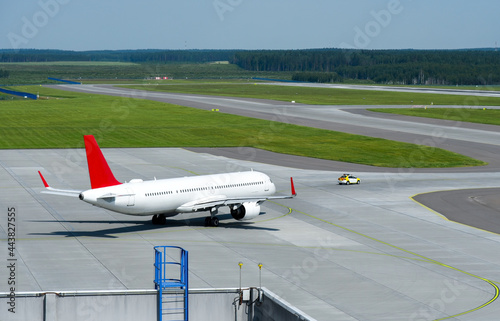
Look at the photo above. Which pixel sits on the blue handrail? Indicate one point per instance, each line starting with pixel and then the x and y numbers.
pixel 170 275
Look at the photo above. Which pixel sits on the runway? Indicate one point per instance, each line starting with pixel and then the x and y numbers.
pixel 363 252
pixel 458 91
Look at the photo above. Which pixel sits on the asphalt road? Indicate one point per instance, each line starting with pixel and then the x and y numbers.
pixel 460 92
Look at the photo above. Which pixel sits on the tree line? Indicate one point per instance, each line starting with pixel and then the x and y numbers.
pixel 406 67
pixel 415 67
pixel 135 56
pixel 323 77
pixel 4 73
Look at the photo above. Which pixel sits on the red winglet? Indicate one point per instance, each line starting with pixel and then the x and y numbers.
pixel 293 187
pixel 43 180
pixel 99 171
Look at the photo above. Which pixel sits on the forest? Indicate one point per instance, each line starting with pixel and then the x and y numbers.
pixel 404 67
pixel 134 56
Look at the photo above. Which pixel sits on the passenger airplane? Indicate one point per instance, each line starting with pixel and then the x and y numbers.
pixel 242 192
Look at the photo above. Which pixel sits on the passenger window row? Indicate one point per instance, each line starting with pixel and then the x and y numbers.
pixel 204 188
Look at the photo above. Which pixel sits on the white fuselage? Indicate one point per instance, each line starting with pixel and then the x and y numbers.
pixel 178 195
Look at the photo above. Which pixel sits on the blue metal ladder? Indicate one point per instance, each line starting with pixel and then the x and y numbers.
pixel 172 288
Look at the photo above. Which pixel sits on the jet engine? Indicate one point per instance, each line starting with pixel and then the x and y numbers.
pixel 245 211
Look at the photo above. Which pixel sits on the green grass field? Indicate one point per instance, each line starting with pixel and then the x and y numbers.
pixel 477 115
pixel 91 71
pixel 323 96
pixel 60 122
pixel 8 97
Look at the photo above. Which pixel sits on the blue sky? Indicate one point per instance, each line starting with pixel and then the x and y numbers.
pixel 248 24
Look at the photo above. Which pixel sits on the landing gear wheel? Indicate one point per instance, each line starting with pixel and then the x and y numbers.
pixel 212 221
pixel 159 219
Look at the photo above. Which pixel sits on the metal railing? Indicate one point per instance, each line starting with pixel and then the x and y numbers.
pixel 171 282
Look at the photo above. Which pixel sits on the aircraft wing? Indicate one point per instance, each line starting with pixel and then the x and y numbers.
pixel 222 200
pixel 205 204
pixel 259 200
pixel 201 204
pixel 239 200
pixel 55 191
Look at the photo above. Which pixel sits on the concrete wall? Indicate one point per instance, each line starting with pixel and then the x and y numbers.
pixel 274 308
pixel 81 306
pixel 204 305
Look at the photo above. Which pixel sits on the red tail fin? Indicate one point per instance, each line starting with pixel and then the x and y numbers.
pixel 99 171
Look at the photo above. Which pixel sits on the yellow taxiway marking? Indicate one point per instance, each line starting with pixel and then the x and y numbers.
pixel 426 259
pixel 416 256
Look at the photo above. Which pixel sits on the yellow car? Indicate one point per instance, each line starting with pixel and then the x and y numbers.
pixel 348 179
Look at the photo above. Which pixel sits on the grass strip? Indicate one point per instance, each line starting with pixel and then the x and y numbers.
pixel 126 122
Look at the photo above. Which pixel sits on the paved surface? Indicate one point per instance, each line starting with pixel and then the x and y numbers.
pixel 475 207
pixel 460 92
pixel 361 252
